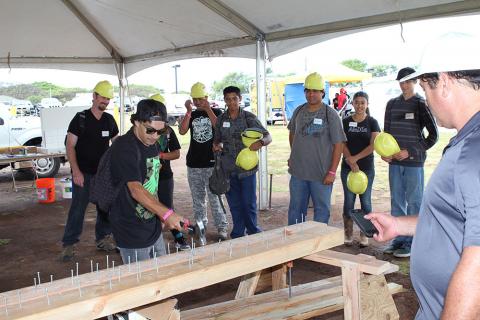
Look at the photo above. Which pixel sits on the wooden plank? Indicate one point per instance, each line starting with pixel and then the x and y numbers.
pixel 274 304
pixel 351 294
pixel 279 277
pixel 248 285
pixel 165 310
pixel 308 300
pixel 375 299
pixel 93 295
pixel 366 264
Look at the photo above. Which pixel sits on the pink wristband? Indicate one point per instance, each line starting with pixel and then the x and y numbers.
pixel 333 173
pixel 188 114
pixel 168 214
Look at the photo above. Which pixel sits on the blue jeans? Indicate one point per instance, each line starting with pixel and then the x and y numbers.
pixel 143 253
pixel 300 193
pixel 76 215
pixel 242 200
pixel 349 197
pixel 406 192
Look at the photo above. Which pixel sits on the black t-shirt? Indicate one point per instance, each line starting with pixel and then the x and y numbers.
pixel 93 138
pixel 200 154
pixel 358 138
pixel 167 143
pixel 134 226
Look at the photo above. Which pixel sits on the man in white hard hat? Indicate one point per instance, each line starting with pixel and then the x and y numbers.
pixel 445 261
pixel 89 135
pixel 316 141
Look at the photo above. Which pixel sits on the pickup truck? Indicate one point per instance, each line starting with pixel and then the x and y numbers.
pixel 26 131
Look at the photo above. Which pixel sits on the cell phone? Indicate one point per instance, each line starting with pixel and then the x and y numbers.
pixel 366 226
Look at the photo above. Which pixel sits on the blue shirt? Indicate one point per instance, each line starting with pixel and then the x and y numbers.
pixel 449 220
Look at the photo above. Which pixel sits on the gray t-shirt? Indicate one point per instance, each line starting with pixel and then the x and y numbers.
pixel 449 220
pixel 315 133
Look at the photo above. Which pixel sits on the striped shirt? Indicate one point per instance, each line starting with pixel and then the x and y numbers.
pixel 406 121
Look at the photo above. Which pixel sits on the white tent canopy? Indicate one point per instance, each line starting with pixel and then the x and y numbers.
pixel 90 35
pixel 122 37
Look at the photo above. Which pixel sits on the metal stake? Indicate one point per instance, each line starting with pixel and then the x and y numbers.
pixel 91 266
pixel 71 272
pixel 51 278
pixel 19 294
pixel 6 305
pixel 48 298
pixel 289 282
pixel 38 275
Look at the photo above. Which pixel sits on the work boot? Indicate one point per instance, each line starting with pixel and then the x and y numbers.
pixel 348 230
pixel 222 234
pixel 363 240
pixel 106 244
pixel 68 253
pixel 402 252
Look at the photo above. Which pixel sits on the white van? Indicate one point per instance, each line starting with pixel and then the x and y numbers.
pixel 50 103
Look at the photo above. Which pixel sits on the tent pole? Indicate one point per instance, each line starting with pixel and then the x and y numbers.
pixel 121 85
pixel 261 108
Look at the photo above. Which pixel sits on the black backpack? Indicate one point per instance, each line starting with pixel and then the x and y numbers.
pixel 219 182
pixel 103 192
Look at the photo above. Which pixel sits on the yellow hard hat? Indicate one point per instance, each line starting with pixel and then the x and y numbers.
pixel 386 145
pixel 247 159
pixel 314 81
pixel 198 91
pixel 357 182
pixel 158 97
pixel 104 88
pixel 250 136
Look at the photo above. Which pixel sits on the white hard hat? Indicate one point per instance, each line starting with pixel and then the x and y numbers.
pixel 451 52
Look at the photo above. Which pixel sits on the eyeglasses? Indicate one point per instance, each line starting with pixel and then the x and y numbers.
pixel 150 130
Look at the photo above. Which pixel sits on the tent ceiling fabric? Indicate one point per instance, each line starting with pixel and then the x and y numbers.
pixel 89 35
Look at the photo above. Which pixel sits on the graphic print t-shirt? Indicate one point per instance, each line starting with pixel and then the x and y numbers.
pixel 200 154
pixel 132 224
pixel 358 138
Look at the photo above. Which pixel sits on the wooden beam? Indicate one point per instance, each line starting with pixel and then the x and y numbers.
pixel 248 285
pixel 308 300
pixel 366 264
pixel 351 292
pixel 164 310
pixel 375 299
pixel 279 277
pixel 93 295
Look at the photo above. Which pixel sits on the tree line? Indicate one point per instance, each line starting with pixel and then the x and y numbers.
pixel 36 91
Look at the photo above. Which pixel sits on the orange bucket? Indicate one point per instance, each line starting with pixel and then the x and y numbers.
pixel 46 190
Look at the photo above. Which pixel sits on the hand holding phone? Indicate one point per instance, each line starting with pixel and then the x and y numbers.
pixel 366 226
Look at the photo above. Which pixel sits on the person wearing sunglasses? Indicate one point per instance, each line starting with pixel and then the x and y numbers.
pixel 137 215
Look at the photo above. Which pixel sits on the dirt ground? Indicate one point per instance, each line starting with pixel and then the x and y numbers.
pixel 34 231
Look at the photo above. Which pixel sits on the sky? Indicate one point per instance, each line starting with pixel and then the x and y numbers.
pixel 386 45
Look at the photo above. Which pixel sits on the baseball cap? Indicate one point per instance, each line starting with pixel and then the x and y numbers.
pixel 452 51
pixel 150 110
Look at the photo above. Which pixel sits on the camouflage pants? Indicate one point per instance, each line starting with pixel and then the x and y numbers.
pixel 198 182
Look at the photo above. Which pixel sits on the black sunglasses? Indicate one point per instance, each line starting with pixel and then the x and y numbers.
pixel 150 130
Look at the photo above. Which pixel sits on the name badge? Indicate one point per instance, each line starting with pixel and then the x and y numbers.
pixel 352 124
pixel 317 121
pixel 410 116
pixel 226 124
pixel 105 133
